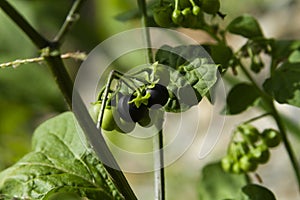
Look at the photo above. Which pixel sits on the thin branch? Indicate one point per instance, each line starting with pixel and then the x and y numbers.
pixel 100 147
pixel 23 24
pixel 52 56
pixel 16 63
pixel 287 144
pixel 143 10
pixel 71 18
pixel 61 76
pixel 257 118
pixel 159 174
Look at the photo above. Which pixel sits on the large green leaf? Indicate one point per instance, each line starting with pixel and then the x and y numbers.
pixel 216 184
pixel 246 26
pixel 284 84
pixel 241 97
pixel 257 192
pixel 60 162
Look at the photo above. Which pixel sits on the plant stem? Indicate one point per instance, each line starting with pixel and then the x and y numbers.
pixel 72 17
pixel 161 2
pixel 143 10
pixel 286 143
pixel 52 56
pixel 257 118
pixel 101 149
pixel 34 36
pixel 159 173
pixel 159 178
pixel 105 95
pixel 75 55
pixel 61 76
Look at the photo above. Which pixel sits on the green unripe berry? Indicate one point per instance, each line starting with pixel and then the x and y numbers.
pixel 162 15
pixel 236 168
pixel 190 20
pixel 108 122
pixel 122 126
pixel 177 17
pixel 186 11
pixel 227 163
pixel 271 137
pixel 238 149
pixel 261 154
pixel 196 10
pixel 247 164
pixel 249 132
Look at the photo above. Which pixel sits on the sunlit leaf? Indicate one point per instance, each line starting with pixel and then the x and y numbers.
pixel 60 162
pixel 295 57
pixel 193 76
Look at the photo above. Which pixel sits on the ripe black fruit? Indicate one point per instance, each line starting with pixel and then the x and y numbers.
pixel 129 111
pixel 159 95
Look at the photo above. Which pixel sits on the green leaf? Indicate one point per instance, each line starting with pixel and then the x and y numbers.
pixel 294 57
pixel 176 56
pixel 60 162
pixel 240 97
pixel 216 184
pixel 65 196
pixel 257 192
pixel 192 83
pixel 246 26
pixel 284 84
pixel 282 49
pixel 192 78
pixel 221 54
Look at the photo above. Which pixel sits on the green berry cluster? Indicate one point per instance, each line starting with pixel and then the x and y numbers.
pixel 184 13
pixel 249 148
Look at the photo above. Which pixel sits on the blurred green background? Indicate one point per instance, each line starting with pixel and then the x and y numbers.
pixel 29 95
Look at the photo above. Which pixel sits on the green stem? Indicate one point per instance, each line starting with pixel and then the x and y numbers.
pixel 143 9
pixel 212 34
pixel 251 79
pixel 14 15
pixel 286 143
pixel 159 174
pixel 52 56
pixel 61 76
pixel 105 95
pixel 257 118
pixel 159 178
pixel 72 17
pixel 161 2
